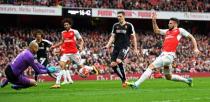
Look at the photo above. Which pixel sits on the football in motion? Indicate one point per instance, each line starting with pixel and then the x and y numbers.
pixel 84 72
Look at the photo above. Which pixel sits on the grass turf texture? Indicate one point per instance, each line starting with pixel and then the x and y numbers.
pixel 154 90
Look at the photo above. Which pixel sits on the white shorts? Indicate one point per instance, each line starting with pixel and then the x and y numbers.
pixel 73 57
pixel 164 56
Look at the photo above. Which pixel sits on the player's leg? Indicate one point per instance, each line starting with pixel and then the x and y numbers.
pixel 77 59
pixel 167 61
pixel 114 64
pixel 156 64
pixel 178 78
pixel 4 83
pixel 69 79
pixel 23 82
pixel 62 63
pixel 9 76
pixel 121 56
pixel 63 69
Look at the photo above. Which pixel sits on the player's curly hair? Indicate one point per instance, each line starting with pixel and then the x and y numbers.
pixel 38 32
pixel 67 20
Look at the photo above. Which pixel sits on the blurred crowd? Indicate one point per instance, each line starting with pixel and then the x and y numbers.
pixel 14 40
pixel 161 5
pixel 31 2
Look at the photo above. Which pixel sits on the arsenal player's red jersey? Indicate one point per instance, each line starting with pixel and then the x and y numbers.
pixel 69 45
pixel 172 38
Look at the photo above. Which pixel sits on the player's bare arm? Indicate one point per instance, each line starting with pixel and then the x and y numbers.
pixel 111 39
pixel 195 49
pixel 154 23
pixel 58 44
pixel 133 36
pixel 81 43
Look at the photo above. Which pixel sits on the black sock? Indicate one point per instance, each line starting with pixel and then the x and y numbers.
pixel 122 71
pixel 36 76
pixel 115 70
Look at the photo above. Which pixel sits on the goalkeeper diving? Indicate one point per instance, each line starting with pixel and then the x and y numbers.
pixel 15 70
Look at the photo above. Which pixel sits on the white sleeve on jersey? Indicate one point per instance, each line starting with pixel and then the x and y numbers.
pixel 77 34
pixel 183 32
pixel 113 29
pixel 163 31
pixel 49 42
pixel 133 31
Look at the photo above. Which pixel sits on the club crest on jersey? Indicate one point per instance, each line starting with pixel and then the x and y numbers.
pixel 126 26
pixel 71 33
pixel 117 27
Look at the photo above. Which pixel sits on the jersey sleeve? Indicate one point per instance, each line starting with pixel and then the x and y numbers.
pixel 77 34
pixel 132 29
pixel 163 31
pixel 38 68
pixel 183 32
pixel 113 29
pixel 48 43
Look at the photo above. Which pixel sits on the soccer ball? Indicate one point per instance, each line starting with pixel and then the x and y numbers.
pixel 84 72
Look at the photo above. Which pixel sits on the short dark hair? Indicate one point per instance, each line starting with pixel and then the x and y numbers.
pixel 67 20
pixel 38 32
pixel 175 19
pixel 121 12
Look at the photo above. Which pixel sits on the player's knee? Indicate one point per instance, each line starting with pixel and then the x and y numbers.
pixel 151 66
pixel 33 82
pixel 119 61
pixel 63 65
pixel 113 64
pixel 168 76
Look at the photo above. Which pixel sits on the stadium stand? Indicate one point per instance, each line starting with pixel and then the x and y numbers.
pixel 159 5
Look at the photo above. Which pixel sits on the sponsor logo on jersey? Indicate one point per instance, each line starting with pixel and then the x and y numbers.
pixel 121 31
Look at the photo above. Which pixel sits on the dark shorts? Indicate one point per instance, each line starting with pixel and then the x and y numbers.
pixel 18 80
pixel 119 54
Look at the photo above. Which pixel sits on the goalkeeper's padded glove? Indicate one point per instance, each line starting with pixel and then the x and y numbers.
pixel 52 69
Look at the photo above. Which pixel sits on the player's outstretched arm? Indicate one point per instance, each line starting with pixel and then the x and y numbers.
pixel 135 44
pixel 195 46
pixel 154 23
pixel 58 44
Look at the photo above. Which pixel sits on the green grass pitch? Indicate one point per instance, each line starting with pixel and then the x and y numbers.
pixel 153 90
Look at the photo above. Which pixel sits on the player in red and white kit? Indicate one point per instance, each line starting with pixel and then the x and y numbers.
pixel 69 51
pixel 171 41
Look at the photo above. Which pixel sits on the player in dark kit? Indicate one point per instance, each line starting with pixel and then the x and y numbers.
pixel 122 33
pixel 43 46
pixel 42 55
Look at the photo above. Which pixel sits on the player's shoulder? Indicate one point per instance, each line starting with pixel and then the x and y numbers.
pixel 47 41
pixel 117 23
pixel 63 31
pixel 27 53
pixel 129 23
pixel 181 29
pixel 74 30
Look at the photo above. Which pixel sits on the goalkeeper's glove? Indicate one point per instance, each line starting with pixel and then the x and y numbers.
pixel 52 69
